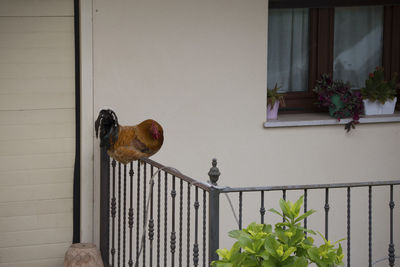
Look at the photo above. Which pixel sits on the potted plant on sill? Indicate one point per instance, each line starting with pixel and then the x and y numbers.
pixel 287 246
pixel 341 101
pixel 379 96
pixel 274 99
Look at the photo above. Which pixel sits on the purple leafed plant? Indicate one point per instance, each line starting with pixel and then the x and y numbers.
pixel 341 101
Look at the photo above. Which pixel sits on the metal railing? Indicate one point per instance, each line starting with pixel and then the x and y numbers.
pixel 156 215
pixel 173 220
pixel 327 188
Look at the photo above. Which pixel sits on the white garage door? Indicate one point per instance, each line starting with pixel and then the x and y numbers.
pixel 37 131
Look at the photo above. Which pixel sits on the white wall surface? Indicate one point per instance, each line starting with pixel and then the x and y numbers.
pixel 37 137
pixel 199 68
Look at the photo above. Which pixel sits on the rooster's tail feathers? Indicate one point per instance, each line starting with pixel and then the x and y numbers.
pixel 107 122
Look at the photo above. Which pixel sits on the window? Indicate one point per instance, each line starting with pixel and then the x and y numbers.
pixel 288 49
pixel 358 43
pixel 346 39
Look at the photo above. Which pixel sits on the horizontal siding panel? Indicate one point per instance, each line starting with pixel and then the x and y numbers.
pixel 38 146
pixel 37 39
pixel 36 85
pixel 15 117
pixel 37 101
pixel 35 192
pixel 36 8
pixel 37 131
pixel 36 263
pixel 24 253
pixel 36 177
pixel 35 237
pixel 23 71
pixel 29 25
pixel 36 55
pixel 36 207
pixel 35 222
pixel 32 162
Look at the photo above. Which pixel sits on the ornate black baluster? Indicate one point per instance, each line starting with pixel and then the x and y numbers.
pixel 151 221
pixel 165 217
pixel 130 215
pixel 370 226
pixel 105 206
pixel 204 227
pixel 124 222
pixel 180 221
pixel 173 234
pixel 262 209
pixel 391 245
pixel 188 227
pixel 158 217
pixel 284 198
pixel 113 213
pixel 305 209
pixel 326 211
pixel 240 209
pixel 138 212
pixel 348 226
pixel 144 213
pixel 196 226
pixel 119 214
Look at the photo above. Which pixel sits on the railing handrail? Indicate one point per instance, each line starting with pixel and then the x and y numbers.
pixel 302 187
pixel 205 186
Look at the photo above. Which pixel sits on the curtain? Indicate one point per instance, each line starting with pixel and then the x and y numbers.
pixel 288 49
pixel 358 43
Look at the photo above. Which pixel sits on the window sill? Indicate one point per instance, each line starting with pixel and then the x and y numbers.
pixel 317 119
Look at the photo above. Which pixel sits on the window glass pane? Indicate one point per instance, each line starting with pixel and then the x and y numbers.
pixel 358 43
pixel 288 49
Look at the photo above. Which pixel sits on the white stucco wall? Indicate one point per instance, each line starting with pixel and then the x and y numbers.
pixel 199 68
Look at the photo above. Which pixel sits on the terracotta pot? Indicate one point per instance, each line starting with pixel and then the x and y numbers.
pixel 272 112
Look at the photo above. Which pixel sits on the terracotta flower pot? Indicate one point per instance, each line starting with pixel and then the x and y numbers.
pixel 272 111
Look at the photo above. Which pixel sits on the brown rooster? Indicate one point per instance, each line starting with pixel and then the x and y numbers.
pixel 128 143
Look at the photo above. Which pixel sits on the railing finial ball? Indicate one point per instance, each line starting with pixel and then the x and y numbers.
pixel 214 162
pixel 214 172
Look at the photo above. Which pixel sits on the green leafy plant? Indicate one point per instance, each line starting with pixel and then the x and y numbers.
pixel 377 89
pixel 285 246
pixel 273 96
pixel 340 99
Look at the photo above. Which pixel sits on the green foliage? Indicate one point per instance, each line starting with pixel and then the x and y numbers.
pixel 377 89
pixel 273 96
pixel 287 246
